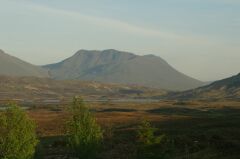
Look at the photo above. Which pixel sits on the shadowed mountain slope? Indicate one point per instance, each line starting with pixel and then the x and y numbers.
pixel 228 88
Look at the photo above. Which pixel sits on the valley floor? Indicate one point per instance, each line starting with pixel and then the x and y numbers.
pixel 194 130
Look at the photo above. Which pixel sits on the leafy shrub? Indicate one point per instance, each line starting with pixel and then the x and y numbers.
pixel 17 134
pixel 146 134
pixel 84 134
pixel 150 145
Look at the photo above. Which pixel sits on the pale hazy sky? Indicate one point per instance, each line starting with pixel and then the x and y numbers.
pixel 200 38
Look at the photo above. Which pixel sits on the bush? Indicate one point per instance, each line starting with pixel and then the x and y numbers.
pixel 151 146
pixel 17 134
pixel 146 134
pixel 84 134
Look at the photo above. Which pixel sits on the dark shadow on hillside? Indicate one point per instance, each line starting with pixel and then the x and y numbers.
pixel 117 110
pixel 195 112
pixel 175 111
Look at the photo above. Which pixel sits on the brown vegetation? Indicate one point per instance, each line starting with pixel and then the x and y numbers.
pixel 206 129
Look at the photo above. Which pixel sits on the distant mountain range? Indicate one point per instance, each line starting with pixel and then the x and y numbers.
pixel 228 88
pixel 124 72
pixel 112 66
pixel 13 66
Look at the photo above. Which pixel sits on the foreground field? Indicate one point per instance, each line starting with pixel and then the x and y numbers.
pixel 193 130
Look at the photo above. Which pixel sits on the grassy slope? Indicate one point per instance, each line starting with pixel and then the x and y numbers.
pixel 32 88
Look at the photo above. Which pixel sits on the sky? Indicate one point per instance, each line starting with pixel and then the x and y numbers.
pixel 200 38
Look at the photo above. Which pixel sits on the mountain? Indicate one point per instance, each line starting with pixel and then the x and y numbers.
pixel 228 88
pixel 13 66
pixel 114 66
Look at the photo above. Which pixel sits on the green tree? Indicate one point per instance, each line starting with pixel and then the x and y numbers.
pixel 17 134
pixel 150 146
pixel 84 134
pixel 146 134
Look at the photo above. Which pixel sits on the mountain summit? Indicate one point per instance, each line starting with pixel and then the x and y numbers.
pixel 12 66
pixel 121 67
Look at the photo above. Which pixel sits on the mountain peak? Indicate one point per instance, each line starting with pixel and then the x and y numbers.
pixel 107 51
pixel 112 50
pixel 83 51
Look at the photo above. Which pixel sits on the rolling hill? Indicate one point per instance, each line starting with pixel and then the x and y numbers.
pixel 112 66
pixel 45 89
pixel 12 66
pixel 228 88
